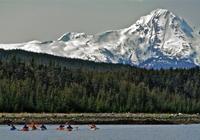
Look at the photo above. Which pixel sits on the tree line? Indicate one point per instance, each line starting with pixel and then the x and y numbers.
pixel 32 82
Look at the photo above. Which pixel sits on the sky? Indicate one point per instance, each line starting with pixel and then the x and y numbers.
pixel 26 20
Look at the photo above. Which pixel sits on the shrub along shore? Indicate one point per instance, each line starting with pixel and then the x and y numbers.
pixel 99 118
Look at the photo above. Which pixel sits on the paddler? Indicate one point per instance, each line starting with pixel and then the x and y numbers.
pixel 33 126
pixel 61 127
pixel 43 127
pixel 69 127
pixel 13 127
pixel 25 128
pixel 92 126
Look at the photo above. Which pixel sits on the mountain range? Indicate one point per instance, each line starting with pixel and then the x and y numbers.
pixel 160 39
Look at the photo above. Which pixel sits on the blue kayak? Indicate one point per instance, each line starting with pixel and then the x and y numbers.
pixel 12 129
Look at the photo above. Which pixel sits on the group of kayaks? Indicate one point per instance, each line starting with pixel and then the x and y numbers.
pixel 42 127
pixel 28 127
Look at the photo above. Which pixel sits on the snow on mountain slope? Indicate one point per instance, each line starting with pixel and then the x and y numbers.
pixel 158 40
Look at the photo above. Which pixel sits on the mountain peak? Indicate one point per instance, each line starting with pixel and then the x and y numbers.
pixel 160 11
pixel 162 15
pixel 160 39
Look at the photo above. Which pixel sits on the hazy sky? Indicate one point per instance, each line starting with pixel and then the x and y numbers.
pixel 25 20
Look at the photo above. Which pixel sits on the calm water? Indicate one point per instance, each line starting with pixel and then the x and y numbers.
pixel 108 132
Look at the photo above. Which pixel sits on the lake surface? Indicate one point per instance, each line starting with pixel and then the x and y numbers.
pixel 108 132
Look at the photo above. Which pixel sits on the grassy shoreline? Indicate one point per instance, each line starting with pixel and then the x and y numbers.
pixel 99 118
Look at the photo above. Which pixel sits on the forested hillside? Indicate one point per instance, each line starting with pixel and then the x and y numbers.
pixel 31 82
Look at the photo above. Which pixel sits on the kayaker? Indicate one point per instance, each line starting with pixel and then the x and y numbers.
pixel 25 128
pixel 12 127
pixel 43 127
pixel 61 127
pixel 69 127
pixel 92 126
pixel 33 126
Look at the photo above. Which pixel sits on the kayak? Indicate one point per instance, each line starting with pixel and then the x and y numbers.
pixel 94 128
pixel 43 129
pixel 13 129
pixel 34 128
pixel 61 129
pixel 69 129
pixel 25 129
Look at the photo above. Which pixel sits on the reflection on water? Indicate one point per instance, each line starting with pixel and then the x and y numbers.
pixel 108 132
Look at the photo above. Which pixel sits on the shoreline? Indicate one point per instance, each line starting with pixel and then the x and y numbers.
pixel 99 118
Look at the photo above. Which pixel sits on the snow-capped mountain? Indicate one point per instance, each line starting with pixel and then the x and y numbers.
pixel 160 39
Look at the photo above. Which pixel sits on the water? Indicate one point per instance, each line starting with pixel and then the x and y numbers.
pixel 108 132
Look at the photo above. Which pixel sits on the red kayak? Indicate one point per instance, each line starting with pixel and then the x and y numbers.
pixel 61 129
pixel 24 129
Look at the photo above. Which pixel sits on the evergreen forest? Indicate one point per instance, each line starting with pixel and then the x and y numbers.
pixel 31 82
